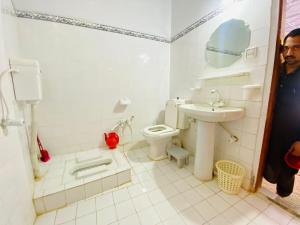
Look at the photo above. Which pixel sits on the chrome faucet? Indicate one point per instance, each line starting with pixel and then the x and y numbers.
pixel 217 102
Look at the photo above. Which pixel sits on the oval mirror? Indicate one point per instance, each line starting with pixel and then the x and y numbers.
pixel 227 43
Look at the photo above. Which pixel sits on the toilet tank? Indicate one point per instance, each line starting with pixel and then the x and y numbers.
pixel 172 116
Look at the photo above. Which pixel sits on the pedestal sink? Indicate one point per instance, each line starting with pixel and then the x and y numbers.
pixel 207 117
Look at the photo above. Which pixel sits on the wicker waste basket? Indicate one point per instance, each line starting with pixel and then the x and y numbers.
pixel 230 176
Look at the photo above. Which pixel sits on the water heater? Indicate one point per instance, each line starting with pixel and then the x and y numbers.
pixel 27 80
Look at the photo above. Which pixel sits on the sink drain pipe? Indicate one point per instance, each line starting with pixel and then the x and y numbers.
pixel 232 138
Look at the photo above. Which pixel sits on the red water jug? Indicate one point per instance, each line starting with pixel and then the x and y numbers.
pixel 111 139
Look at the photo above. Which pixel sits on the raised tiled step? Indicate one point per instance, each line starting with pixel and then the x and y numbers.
pixel 59 187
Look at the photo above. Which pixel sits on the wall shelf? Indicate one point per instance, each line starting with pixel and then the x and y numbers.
pixel 195 89
pixel 252 86
pixel 221 74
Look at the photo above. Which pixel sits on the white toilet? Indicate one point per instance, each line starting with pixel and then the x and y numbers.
pixel 159 136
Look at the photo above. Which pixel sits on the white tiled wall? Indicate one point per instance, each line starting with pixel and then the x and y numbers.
pixel 16 181
pixel 188 63
pixel 85 73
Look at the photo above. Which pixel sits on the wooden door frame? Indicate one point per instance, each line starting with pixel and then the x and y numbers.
pixel 272 97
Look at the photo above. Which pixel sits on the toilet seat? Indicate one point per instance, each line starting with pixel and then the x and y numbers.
pixel 160 131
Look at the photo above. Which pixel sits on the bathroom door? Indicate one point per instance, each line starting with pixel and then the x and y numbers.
pixel 272 97
pixel 288 20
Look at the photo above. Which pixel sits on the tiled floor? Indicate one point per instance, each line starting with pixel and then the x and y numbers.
pixel 292 201
pixel 160 193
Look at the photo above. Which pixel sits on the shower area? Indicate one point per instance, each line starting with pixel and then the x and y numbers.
pixel 76 176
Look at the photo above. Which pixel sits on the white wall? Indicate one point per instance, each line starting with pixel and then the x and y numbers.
pixel 185 13
pixel 153 17
pixel 188 63
pixel 85 73
pixel 16 183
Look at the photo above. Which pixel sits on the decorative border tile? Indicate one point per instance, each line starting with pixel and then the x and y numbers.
pixel 91 25
pixel 102 27
pixel 198 23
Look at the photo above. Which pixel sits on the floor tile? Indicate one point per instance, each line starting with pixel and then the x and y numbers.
pixel 192 197
pixel 156 172
pixel 246 209
pixel 104 201
pixel 258 202
pixel 243 194
pixel 121 195
pixel 130 220
pixel 125 209
pixel 264 219
pixel 213 185
pixel 138 169
pixel 218 203
pixel 149 185
pixel 179 203
pixel 192 217
pixel 66 214
pixel 231 199
pixel 278 214
pixel 46 219
pixel 183 173
pixel 148 216
pixel 165 210
pixel 86 207
pixel 136 190
pixel 156 196
pixel 107 216
pixel 161 180
pixel 218 220
pixel 90 219
pixel 169 190
pixel 206 210
pixel 69 223
pixel 204 191
pixel 234 217
pixel 172 176
pixel 182 186
pixel 176 220
pixel 295 221
pixel 193 181
pixel 134 179
pixel 141 202
pixel 144 176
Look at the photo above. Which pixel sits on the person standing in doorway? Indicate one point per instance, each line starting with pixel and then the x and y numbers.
pixel 285 132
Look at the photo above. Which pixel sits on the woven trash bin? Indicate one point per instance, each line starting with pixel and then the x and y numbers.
pixel 230 176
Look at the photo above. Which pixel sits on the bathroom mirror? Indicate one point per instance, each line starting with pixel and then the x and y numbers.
pixel 227 43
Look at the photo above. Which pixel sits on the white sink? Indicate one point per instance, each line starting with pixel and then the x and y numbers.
pixel 210 114
pixel 207 117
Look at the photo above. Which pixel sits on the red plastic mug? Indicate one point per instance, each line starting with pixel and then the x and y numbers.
pixel 111 139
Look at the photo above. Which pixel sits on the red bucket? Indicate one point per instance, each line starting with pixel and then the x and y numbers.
pixel 292 160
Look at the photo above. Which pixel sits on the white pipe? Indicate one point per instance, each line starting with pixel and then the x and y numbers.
pixel 33 145
pixel 5 106
pixel 6 121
